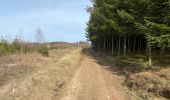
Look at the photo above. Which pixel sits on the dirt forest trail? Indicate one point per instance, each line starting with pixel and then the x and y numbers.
pixel 69 74
pixel 93 82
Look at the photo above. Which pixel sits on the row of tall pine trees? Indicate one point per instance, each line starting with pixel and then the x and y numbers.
pixel 127 27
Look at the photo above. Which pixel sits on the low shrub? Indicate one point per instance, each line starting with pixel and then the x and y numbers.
pixel 149 82
pixel 44 52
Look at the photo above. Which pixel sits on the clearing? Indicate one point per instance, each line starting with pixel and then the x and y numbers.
pixel 67 74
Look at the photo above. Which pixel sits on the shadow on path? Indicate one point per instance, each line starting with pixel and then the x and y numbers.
pixel 116 66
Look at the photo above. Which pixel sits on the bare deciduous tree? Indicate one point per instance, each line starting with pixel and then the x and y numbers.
pixel 20 40
pixel 39 35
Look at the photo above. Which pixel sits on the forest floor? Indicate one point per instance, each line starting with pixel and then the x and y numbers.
pixel 148 83
pixel 67 74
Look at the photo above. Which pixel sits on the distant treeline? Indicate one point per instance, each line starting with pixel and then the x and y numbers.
pixel 127 27
pixel 18 45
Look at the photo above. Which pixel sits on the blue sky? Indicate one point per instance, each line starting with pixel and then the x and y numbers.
pixel 60 20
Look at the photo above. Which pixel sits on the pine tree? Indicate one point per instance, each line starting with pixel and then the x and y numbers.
pixel 118 26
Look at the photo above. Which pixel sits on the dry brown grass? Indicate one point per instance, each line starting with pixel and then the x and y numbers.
pixel 147 83
pixel 33 77
pixel 150 82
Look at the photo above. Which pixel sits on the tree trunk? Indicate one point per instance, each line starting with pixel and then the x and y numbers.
pixel 140 44
pixel 100 45
pixel 128 45
pixel 119 46
pixel 112 44
pixel 27 48
pixel 21 49
pixel 162 51
pixel 134 45
pixel 150 55
pixel 124 53
pixel 104 44
pixel 116 49
pixel 108 45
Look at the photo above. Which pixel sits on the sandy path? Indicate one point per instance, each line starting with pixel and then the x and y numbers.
pixel 93 82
